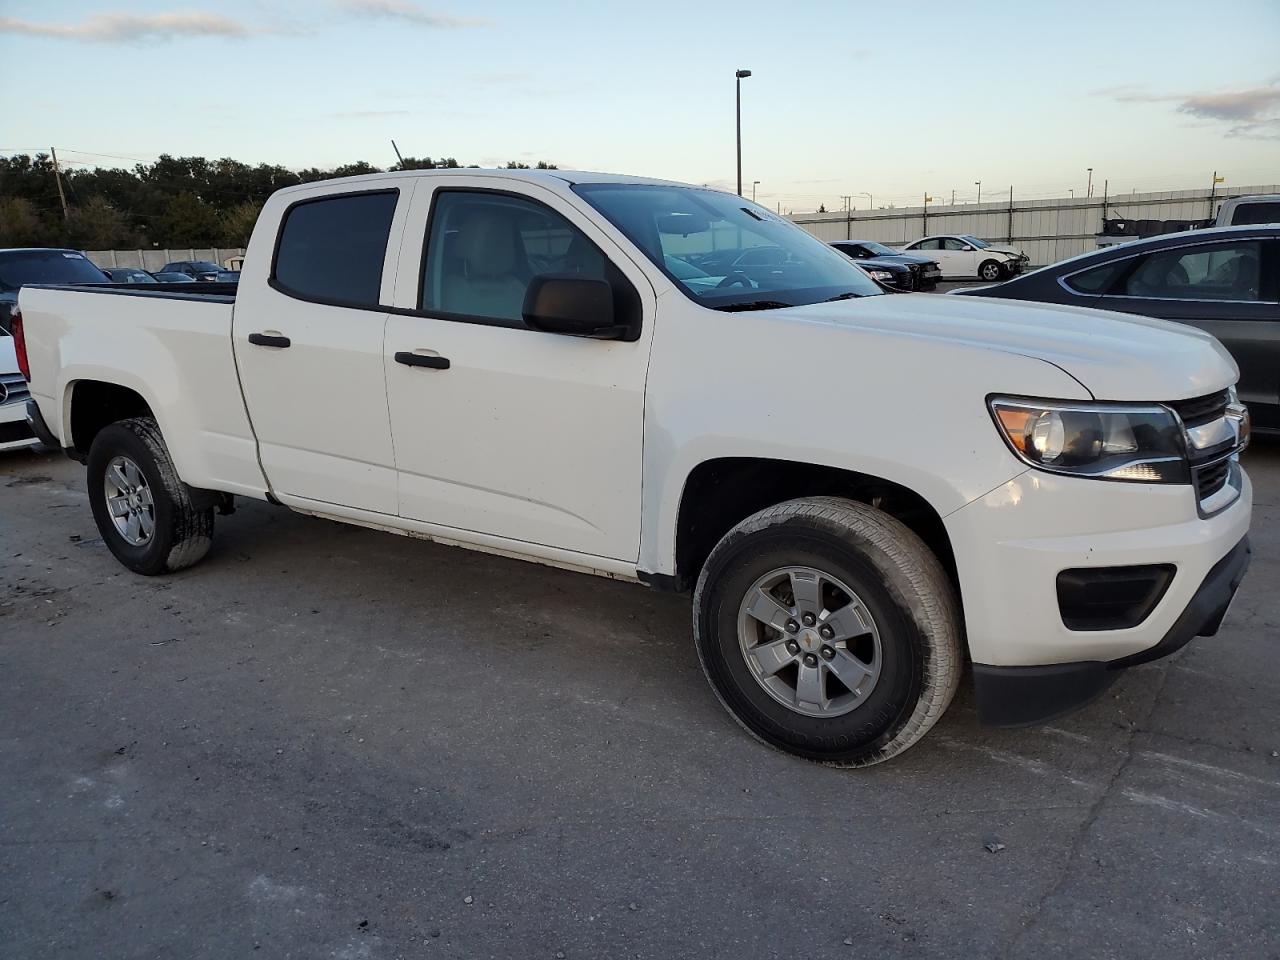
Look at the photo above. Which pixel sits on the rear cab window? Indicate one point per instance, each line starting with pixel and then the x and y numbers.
pixel 332 249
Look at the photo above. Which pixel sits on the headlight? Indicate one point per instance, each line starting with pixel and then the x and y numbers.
pixel 1106 441
pixel 880 274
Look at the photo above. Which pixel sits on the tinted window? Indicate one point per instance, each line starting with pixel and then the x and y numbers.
pixel 20 267
pixel 483 249
pixel 1221 271
pixel 332 249
pixel 1247 213
pixel 1097 280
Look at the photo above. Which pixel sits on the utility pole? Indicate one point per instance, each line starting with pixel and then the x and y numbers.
pixel 927 198
pixel 57 175
pixel 397 150
pixel 848 217
pixel 953 196
pixel 1010 240
pixel 1105 185
pixel 978 184
pixel 1213 189
pixel 1089 190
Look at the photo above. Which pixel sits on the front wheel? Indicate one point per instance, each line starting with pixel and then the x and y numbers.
pixel 143 511
pixel 990 271
pixel 829 630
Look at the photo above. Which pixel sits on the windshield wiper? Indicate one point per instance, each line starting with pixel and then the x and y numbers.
pixel 845 296
pixel 754 305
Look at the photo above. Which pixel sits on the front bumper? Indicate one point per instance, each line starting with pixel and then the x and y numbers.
pixel 14 431
pixel 1017 696
pixel 1011 545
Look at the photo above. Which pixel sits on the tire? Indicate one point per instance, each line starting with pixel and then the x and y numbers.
pixel 901 586
pixel 180 534
pixel 991 270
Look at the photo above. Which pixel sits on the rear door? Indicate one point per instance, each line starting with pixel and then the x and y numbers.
pixel 1228 289
pixel 308 335
pixel 506 431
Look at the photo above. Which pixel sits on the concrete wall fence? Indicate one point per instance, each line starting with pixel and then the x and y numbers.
pixel 154 259
pixel 1046 230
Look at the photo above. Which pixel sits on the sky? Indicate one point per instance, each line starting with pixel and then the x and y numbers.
pixel 846 98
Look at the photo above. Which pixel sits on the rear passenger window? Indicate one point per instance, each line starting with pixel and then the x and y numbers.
pixel 332 249
pixel 1098 280
pixel 1251 213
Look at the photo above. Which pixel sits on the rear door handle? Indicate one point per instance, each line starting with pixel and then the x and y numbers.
pixel 418 360
pixel 268 340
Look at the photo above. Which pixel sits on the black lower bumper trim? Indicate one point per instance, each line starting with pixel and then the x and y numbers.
pixel 1018 696
pixel 35 420
pixel 1204 613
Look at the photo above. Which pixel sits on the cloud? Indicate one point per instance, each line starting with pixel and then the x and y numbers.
pixel 366 114
pixel 408 12
pixel 1252 113
pixel 133 28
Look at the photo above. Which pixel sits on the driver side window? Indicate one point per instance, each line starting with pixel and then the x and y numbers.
pixel 483 249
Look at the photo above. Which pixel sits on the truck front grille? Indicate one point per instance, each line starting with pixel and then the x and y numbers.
pixel 1211 427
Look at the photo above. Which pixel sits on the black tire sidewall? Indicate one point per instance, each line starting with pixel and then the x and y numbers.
pixel 849 737
pixel 116 440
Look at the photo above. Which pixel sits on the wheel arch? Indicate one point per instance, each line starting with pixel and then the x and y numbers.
pixel 90 404
pixel 721 492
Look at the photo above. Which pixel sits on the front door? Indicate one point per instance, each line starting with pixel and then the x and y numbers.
pixel 308 340
pixel 499 429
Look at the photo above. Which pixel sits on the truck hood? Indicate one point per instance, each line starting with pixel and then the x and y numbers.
pixel 1116 356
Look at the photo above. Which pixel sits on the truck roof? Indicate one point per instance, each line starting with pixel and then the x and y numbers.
pixel 553 177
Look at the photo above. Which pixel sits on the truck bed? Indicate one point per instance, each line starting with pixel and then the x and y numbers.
pixel 202 291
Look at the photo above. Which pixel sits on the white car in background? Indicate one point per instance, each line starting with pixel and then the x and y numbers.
pixel 965 256
pixel 14 432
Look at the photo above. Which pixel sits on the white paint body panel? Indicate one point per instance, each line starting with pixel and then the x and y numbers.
pixel 577 453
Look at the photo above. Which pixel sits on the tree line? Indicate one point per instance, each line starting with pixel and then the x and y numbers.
pixel 175 202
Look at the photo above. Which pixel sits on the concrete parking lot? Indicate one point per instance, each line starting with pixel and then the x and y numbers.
pixel 331 742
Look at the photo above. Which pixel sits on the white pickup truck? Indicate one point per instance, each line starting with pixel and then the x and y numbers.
pixel 862 489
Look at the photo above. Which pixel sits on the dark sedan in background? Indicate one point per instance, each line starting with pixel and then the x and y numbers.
pixel 195 269
pixel 128 275
pixel 1225 281
pixel 905 271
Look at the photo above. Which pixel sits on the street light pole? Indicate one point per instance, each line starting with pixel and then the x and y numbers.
pixel 738 78
pixel 978 184
pixel 1089 189
pixel 871 201
pixel 754 184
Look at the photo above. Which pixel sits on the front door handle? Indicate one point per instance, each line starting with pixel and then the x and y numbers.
pixel 268 340
pixel 418 360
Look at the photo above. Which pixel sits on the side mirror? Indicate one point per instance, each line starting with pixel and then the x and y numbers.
pixel 572 305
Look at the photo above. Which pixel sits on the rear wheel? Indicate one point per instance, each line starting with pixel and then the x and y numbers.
pixel 829 630
pixel 143 511
pixel 991 270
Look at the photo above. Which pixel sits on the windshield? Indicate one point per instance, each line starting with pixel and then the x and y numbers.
pixel 743 256
pixel 880 250
pixel 980 244
pixel 20 267
pixel 204 266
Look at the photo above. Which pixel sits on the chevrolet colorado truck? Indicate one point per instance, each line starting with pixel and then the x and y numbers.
pixel 862 491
